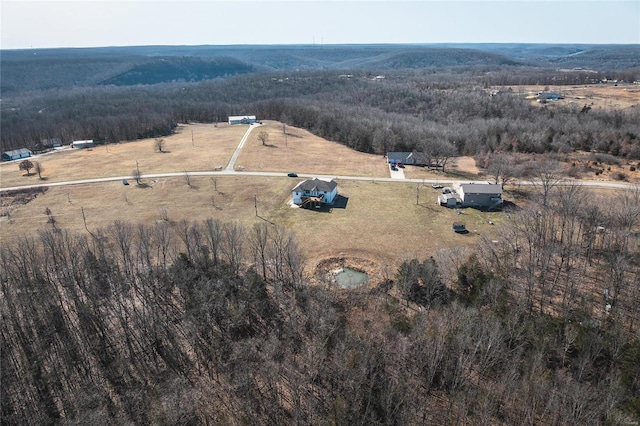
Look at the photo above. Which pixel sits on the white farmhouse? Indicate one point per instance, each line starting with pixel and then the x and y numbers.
pixel 314 191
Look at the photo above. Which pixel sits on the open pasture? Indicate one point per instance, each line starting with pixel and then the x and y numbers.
pixel 194 147
pixel 380 220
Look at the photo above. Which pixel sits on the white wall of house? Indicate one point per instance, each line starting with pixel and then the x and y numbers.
pixel 296 197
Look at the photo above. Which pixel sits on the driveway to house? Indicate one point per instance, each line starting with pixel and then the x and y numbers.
pixel 398 173
pixel 232 163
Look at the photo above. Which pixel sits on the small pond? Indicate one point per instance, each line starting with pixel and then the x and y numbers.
pixel 348 278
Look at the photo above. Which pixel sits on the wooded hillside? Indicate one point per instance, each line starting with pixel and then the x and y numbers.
pixel 209 322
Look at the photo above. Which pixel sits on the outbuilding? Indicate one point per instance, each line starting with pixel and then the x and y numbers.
pixel 448 200
pixel 481 195
pixel 83 144
pixel 315 191
pixel 16 154
pixel 242 119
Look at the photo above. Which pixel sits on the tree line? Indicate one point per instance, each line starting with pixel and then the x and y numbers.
pixel 212 322
pixel 433 111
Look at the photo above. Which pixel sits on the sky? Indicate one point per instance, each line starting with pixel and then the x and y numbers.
pixel 46 24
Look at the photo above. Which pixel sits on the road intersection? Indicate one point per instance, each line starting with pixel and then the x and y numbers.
pixel 230 169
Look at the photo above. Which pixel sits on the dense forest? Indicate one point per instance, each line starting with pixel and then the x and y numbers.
pixel 205 322
pixel 212 323
pixel 434 99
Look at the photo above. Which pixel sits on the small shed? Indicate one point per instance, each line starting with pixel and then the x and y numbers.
pixel 242 119
pixel 315 190
pixel 83 144
pixel 47 144
pixel 51 143
pixel 448 200
pixel 16 154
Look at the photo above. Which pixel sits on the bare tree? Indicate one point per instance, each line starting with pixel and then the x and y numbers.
pixel 547 178
pixel 187 178
pixel 213 234
pixel 263 137
pixel 159 144
pixel 38 168
pixel 258 241
pixel 26 165
pixel 232 247
pixel 441 151
pixel 501 167
pixel 137 176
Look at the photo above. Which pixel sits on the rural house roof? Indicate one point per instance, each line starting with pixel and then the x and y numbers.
pixel 314 185
pixel 52 141
pixel 241 117
pixel 17 152
pixel 413 157
pixel 481 188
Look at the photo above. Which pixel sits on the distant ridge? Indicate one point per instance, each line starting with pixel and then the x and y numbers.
pixel 42 69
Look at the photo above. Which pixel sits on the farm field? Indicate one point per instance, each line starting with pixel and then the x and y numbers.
pixel 211 146
pixel 381 221
pixel 603 96
pixel 301 151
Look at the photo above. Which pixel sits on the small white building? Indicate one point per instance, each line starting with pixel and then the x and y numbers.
pixel 242 119
pixel 83 144
pixel 315 191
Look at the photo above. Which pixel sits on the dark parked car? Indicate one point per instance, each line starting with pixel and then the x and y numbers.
pixel 124 182
pixel 459 228
pixel 291 174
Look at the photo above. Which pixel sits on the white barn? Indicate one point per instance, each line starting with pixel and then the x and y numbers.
pixel 242 119
pixel 314 190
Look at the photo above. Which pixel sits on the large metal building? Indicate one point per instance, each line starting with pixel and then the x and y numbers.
pixel 16 154
pixel 242 119
pixel 83 144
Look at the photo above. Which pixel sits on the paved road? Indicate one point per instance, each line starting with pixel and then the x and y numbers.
pixel 229 170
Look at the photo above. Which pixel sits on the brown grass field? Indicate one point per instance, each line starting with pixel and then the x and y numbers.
pixel 620 96
pixel 212 146
pixel 381 221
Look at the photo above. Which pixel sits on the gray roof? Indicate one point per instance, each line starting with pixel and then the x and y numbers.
pixel 316 184
pixel 481 188
pixel 416 157
pixel 17 152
